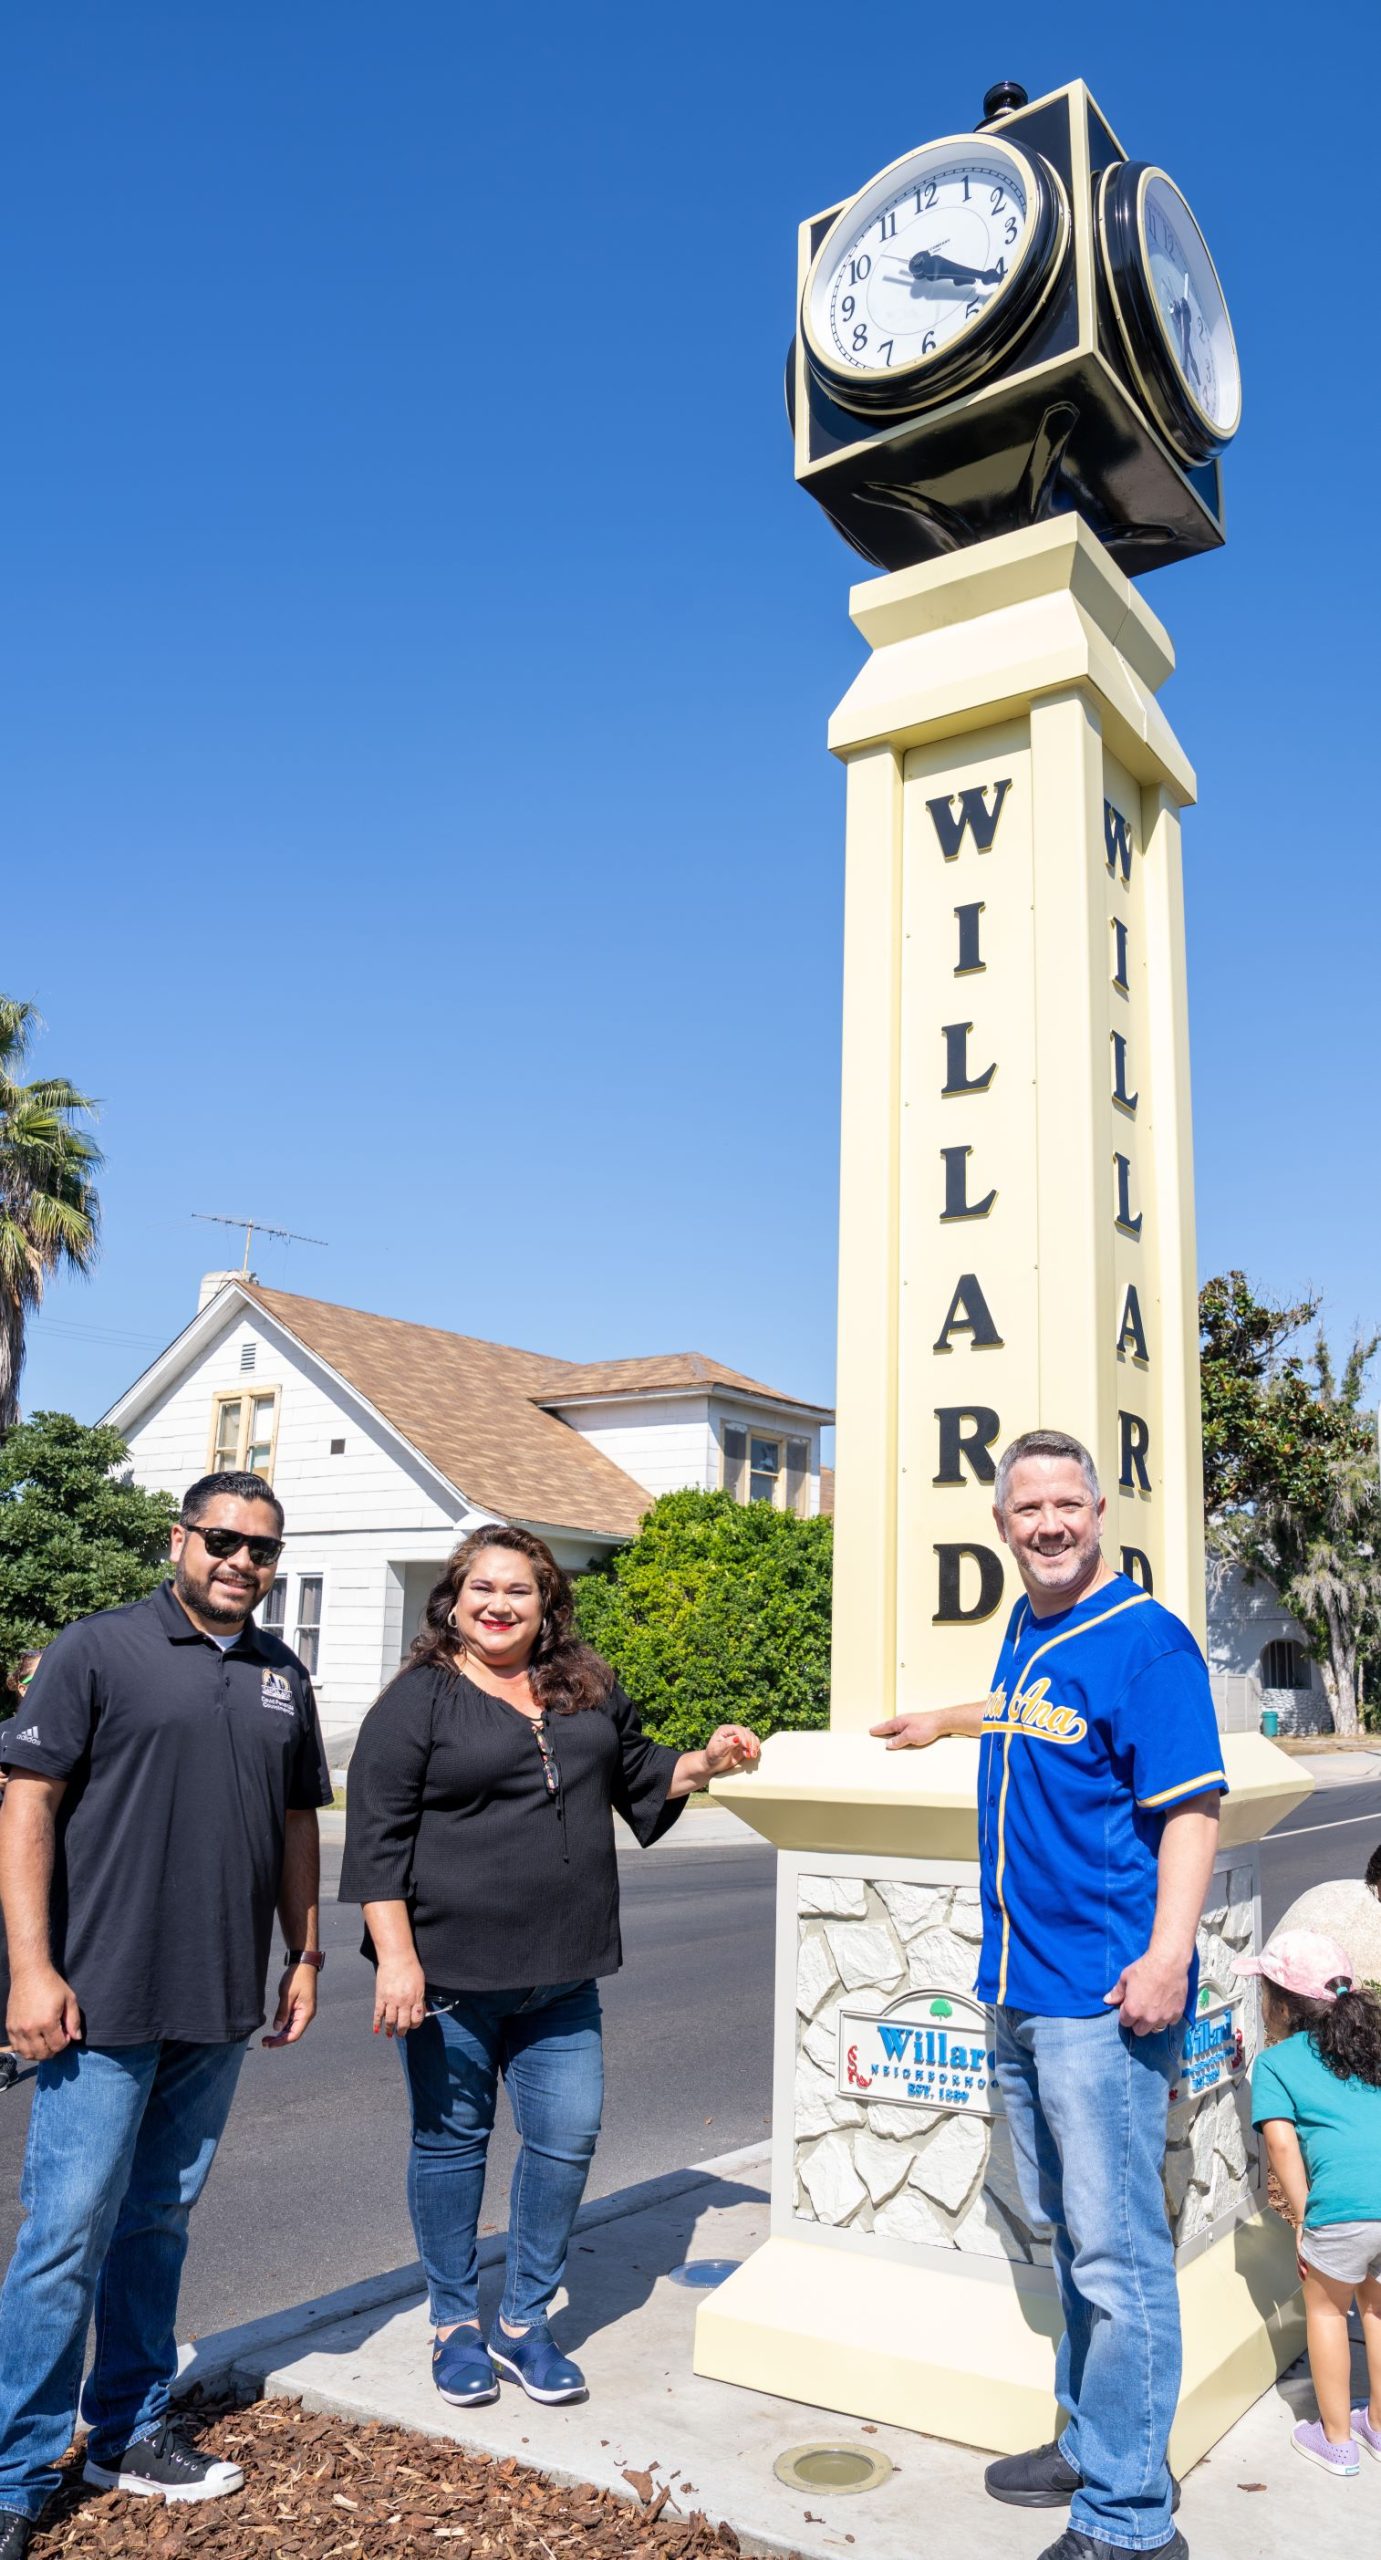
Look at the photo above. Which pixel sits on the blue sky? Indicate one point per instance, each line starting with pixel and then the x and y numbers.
pixel 417 656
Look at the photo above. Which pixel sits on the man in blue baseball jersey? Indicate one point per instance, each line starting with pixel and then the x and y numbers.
pixel 1099 1781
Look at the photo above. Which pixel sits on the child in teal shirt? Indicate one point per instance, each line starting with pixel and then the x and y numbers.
pixel 1316 2093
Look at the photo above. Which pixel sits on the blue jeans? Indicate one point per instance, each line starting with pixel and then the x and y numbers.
pixel 121 2140
pixel 1086 2107
pixel 546 2042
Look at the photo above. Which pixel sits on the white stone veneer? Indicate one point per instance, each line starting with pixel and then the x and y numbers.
pixel 938 2177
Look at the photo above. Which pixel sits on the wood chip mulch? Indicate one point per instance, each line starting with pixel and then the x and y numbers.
pixel 318 2488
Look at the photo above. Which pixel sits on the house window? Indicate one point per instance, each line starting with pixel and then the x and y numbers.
pixel 243 1430
pixel 307 1645
pixel 1284 1665
pixel 736 1461
pixel 764 1467
pixel 758 1467
pixel 274 1612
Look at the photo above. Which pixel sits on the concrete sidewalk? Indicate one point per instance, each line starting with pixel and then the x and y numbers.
pixel 366 2354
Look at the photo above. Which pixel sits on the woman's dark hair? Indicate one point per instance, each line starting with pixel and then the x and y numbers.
pixel 1345 2033
pixel 1372 1878
pixel 566 1675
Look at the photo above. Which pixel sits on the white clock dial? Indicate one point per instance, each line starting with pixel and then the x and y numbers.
pixel 1169 308
pixel 1189 300
pixel 920 263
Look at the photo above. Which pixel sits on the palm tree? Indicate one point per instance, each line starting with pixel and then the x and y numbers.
pixel 48 1205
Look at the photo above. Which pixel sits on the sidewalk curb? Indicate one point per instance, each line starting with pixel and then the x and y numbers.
pixel 203 2362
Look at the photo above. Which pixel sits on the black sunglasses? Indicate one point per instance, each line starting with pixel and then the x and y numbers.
pixel 224 1543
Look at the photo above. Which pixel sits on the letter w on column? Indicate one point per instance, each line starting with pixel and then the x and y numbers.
pixel 975 817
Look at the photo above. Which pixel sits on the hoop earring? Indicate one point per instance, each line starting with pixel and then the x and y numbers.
pixel 451 1621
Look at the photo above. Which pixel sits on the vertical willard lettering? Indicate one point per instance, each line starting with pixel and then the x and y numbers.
pixel 1131 1332
pixel 975 817
pixel 1133 1474
pixel 1119 964
pixel 973 1444
pixel 1130 1226
pixel 957 1201
pixel 968 1313
pixel 957 1076
pixel 951 1611
pixel 1137 1567
pixel 1117 839
pixel 1124 1100
pixel 969 961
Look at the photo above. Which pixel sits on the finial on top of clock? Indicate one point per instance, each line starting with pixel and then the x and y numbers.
pixel 1003 99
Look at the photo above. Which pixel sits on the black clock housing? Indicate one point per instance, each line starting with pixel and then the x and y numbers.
pixel 1058 421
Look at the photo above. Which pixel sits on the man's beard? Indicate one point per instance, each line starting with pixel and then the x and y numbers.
pixel 208 1600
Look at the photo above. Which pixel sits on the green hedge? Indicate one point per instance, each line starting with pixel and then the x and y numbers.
pixel 717 1613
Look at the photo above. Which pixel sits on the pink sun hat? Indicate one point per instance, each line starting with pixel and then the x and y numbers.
pixel 1303 1961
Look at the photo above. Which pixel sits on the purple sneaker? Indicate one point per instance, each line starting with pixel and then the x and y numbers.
pixel 1365 2434
pixel 1341 2459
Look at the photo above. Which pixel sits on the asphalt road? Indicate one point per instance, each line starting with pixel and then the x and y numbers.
pixel 308 2191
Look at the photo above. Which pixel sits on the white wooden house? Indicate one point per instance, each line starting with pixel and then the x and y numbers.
pixel 386 1442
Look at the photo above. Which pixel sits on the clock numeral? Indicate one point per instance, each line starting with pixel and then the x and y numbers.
pixel 966 191
pixel 999 198
pixel 846 307
pixel 859 268
pixel 887 226
pixel 1012 227
pixel 885 351
pixel 928 343
pixel 972 309
pixel 860 338
pixel 1000 269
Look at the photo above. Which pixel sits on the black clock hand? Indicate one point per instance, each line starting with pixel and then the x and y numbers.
pixel 1182 316
pixel 928 267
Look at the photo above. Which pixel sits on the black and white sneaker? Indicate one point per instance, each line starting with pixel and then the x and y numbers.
pixel 164 2465
pixel 16 2534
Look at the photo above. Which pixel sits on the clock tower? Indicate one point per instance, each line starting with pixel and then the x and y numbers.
pixel 1012 384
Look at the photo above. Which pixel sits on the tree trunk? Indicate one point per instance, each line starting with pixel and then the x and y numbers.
pixel 11 1362
pixel 1342 1668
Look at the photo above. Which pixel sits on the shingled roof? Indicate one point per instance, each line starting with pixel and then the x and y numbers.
pixel 478 1410
pixel 471 1408
pixel 660 1373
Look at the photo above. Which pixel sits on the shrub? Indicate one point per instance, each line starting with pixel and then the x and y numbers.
pixel 717 1613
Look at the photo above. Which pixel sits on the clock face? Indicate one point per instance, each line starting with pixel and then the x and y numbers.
pixel 916 278
pixel 1190 304
pixel 1170 310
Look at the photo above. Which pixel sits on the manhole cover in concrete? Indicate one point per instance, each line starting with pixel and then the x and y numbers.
pixel 831 2468
pixel 704 2272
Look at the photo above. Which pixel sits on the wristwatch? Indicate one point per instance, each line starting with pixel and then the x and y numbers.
pixel 314 1956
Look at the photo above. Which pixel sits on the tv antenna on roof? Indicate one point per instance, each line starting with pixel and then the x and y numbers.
pixel 285 1235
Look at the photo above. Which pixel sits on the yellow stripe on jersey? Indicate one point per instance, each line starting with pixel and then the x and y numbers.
pixel 1186 1787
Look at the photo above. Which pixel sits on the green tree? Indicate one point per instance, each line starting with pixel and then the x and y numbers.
pixel 48 1204
pixel 75 1535
pixel 717 1612
pixel 1291 1490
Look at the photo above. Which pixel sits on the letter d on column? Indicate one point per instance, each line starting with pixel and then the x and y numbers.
pixel 951 1611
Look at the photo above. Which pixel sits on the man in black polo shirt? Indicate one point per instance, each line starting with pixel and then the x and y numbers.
pixel 164 1780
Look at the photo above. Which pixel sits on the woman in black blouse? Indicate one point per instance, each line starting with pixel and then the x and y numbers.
pixel 480 1840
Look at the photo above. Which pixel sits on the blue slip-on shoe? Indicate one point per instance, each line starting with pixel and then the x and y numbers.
pixel 536 2361
pixel 462 2371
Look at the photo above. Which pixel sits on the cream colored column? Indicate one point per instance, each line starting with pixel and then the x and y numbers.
pixel 1016 1207
pixel 870 1275
pixel 1017 1247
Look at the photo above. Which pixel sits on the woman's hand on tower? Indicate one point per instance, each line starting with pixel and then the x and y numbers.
pixel 731 1747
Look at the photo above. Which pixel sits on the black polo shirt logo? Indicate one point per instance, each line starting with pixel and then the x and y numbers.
pixel 275 1692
